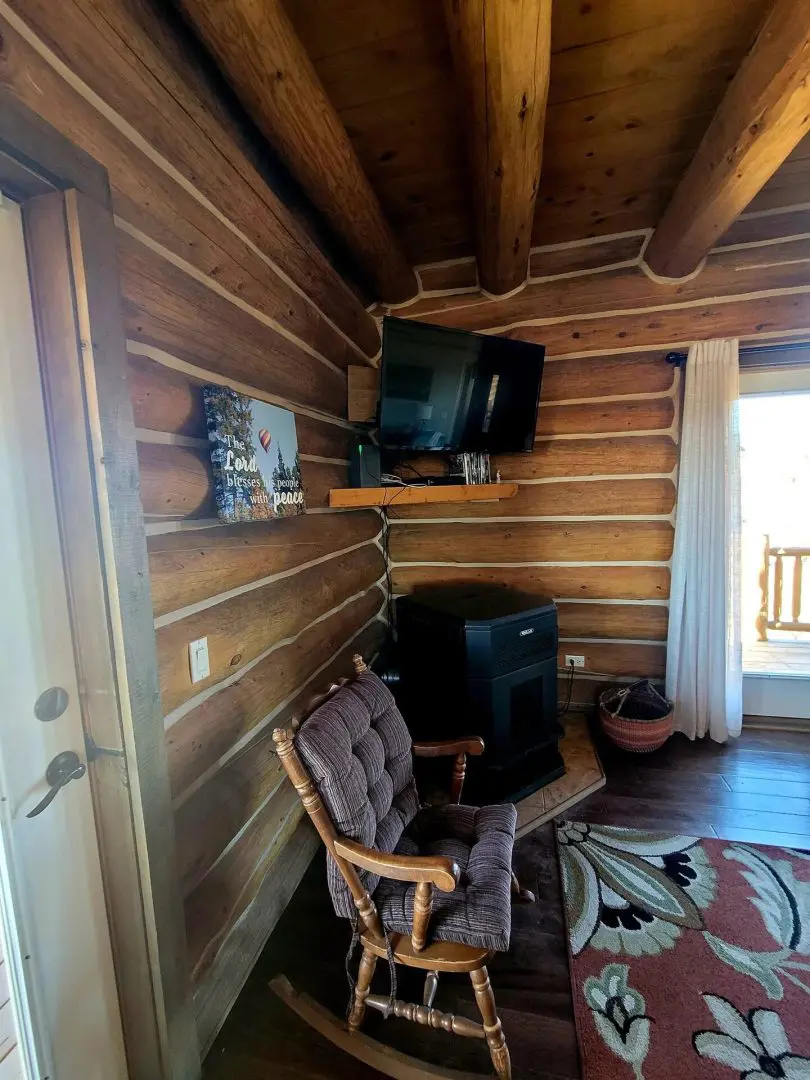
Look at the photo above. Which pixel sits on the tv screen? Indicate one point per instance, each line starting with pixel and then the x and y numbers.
pixel 456 391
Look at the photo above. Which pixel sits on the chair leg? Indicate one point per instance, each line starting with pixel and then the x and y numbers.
pixel 519 893
pixel 368 962
pixel 498 1050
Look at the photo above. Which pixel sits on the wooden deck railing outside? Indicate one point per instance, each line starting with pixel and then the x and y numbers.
pixel 774 599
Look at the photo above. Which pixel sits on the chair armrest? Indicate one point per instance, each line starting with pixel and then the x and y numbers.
pixel 469 744
pixel 436 870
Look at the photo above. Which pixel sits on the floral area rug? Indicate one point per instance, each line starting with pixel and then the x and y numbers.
pixel 690 959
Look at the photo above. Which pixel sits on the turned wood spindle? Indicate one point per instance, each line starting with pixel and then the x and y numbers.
pixel 496 1041
pixel 422 908
pixel 427 1017
pixel 764 588
pixel 367 912
pixel 778 585
pixel 797 588
pixel 459 772
pixel 368 962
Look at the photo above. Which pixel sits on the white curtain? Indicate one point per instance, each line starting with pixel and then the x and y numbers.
pixel 704 649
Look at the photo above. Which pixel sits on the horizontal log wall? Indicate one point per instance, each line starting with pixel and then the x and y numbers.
pixel 593 521
pixel 591 525
pixel 220 283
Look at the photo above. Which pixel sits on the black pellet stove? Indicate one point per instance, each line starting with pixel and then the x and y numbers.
pixel 483 661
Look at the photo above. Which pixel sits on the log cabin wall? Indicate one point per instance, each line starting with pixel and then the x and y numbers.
pixel 220 284
pixel 593 521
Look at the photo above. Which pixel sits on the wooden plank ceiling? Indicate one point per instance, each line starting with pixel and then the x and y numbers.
pixel 634 86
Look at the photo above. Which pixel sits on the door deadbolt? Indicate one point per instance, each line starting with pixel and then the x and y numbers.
pixel 51 703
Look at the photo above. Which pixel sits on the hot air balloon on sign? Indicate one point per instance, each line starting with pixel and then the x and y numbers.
pixel 265 439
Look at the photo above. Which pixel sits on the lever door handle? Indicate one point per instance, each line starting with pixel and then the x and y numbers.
pixel 64 768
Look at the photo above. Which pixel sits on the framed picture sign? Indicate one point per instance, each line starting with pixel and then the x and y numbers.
pixel 254 453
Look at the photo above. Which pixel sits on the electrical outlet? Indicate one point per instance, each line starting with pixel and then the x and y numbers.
pixel 198 659
pixel 574 661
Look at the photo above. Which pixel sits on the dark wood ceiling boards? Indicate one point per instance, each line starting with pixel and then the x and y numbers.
pixel 388 71
pixel 634 85
pixel 403 125
pixel 633 88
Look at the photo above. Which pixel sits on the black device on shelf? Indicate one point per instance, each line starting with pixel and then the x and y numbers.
pixel 483 661
pixel 365 470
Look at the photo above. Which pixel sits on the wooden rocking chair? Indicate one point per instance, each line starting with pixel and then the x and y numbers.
pixel 349 757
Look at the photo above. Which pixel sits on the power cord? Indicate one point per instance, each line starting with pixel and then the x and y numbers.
pixel 385 541
pixel 417 474
pixel 389 584
pixel 589 671
pixel 562 713
pixel 397 485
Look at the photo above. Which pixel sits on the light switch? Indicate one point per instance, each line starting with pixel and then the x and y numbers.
pixel 198 659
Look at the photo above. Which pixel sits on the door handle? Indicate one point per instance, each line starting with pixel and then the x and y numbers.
pixel 64 768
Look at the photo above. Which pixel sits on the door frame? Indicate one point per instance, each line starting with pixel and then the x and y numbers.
pixel 70 233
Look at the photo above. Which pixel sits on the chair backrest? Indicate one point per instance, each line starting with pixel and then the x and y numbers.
pixel 356 748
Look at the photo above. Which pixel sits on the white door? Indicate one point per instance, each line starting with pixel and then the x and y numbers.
pixel 58 954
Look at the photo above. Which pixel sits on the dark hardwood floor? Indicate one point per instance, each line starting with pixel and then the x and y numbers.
pixel 756 788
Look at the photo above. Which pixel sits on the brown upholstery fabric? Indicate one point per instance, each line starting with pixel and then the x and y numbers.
pixel 478 911
pixel 357 749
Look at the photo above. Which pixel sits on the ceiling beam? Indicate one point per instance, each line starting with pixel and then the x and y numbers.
pixel 501 53
pixel 258 51
pixel 764 114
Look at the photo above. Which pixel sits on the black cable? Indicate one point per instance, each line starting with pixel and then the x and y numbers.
pixel 389 584
pixel 561 714
pixel 385 543
pixel 397 490
pixel 386 538
pixel 386 553
pixel 417 474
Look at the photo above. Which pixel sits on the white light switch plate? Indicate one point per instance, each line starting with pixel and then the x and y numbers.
pixel 198 659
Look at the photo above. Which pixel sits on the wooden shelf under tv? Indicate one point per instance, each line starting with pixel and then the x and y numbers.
pixel 345 498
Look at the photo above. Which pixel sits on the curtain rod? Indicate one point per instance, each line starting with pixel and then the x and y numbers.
pixel 678 359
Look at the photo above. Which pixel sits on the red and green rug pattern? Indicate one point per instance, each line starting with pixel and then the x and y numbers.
pixel 690 958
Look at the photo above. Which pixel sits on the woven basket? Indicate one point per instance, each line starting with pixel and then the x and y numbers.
pixel 637 717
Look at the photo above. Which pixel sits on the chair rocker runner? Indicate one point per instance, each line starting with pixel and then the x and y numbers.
pixel 437 881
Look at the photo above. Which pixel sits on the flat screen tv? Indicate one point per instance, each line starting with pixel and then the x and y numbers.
pixel 455 391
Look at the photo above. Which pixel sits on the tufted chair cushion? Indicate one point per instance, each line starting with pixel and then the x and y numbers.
pixel 357 750
pixel 478 911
